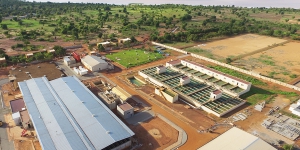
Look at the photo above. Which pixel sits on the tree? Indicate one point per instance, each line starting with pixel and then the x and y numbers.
pixel 132 39
pixel 4 26
pixel 59 51
pixel 38 56
pixel 228 60
pixel 48 56
pixel 288 147
pixel 101 48
pixel 0 18
pixel 100 35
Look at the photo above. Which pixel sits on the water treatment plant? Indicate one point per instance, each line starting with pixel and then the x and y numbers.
pixel 203 87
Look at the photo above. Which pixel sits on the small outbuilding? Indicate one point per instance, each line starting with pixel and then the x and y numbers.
pixel 68 60
pixel 125 110
pixel 94 63
pixel 105 44
pixel 2 60
pixel 124 40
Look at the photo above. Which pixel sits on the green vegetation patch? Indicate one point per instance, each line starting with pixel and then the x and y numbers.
pixel 131 58
pixel 253 80
pixel 267 60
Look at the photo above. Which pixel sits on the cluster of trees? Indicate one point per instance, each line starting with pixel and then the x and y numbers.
pixel 77 22
pixel 59 51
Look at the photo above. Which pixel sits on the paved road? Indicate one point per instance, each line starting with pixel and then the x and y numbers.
pixel 3 81
pixel 5 144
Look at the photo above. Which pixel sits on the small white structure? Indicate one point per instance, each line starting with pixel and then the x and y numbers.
pixel 160 69
pixel 80 70
pixel 295 108
pixel 125 110
pixel 104 43
pixel 51 51
pixel 2 60
pixel 124 40
pixel 184 80
pixel 29 55
pixel 168 95
pixel 68 60
pixel 94 63
pixel 16 117
pixel 215 94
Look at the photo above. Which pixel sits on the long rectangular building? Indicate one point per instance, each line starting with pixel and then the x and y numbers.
pixel 68 116
pixel 201 92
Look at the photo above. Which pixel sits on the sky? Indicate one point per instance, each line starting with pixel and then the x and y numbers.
pixel 244 3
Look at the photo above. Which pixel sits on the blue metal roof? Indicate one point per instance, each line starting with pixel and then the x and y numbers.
pixel 67 115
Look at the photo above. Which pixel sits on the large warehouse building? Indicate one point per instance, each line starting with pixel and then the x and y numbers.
pixel 237 139
pixel 68 116
pixel 94 63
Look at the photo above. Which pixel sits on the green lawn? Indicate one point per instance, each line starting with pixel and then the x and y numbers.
pixel 131 58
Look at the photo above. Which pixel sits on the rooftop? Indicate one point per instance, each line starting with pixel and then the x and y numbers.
pixel 17 105
pixel 195 90
pixel 93 60
pixel 237 139
pixel 125 106
pixel 174 62
pixel 67 115
pixel 218 72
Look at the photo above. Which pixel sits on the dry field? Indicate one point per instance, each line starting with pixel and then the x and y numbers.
pixel 238 45
pixel 281 62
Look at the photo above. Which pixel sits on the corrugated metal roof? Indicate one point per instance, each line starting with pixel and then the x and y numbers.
pixel 61 119
pixel 237 139
pixel 93 60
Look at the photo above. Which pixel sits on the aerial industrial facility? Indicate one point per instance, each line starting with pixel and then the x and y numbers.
pixel 67 115
pixel 212 91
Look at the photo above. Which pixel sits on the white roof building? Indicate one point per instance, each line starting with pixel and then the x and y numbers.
pixel 295 108
pixel 103 43
pixel 237 139
pixel 2 59
pixel 68 116
pixel 124 40
pixel 94 63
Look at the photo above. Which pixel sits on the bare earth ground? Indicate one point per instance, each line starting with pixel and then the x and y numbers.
pixel 285 58
pixel 48 69
pixel 7 43
pixel 253 122
pixel 195 139
pixel 156 132
pixel 4 72
pixel 239 45
pixel 196 118
pixel 14 132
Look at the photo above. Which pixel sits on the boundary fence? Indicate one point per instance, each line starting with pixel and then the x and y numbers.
pixel 232 67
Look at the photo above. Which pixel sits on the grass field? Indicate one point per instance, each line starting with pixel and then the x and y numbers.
pixel 131 58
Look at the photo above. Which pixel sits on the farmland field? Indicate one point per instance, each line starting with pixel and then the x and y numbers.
pixel 281 62
pixel 238 45
pixel 131 58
